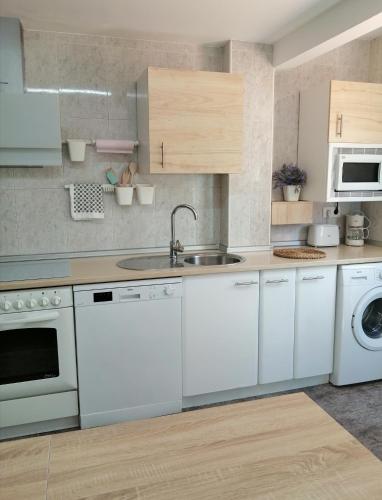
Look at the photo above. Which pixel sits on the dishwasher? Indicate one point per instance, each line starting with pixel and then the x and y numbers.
pixel 128 350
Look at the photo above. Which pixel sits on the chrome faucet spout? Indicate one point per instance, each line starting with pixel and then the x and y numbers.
pixel 175 245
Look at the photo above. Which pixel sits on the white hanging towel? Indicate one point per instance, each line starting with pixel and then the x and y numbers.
pixel 86 201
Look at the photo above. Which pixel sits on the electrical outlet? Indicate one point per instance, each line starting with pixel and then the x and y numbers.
pixel 328 212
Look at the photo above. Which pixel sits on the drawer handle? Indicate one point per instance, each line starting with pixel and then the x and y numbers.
pixel 246 283
pixel 311 278
pixel 277 281
pixel 359 277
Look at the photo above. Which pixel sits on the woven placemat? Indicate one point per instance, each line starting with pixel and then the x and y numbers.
pixel 299 253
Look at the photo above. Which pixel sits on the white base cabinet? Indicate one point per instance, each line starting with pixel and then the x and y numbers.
pixel 220 332
pixel 314 321
pixel 276 325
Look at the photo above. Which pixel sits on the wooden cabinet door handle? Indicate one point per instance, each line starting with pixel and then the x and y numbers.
pixel 339 125
pixel 162 148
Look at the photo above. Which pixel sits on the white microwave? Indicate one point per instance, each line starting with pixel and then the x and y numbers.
pixel 359 172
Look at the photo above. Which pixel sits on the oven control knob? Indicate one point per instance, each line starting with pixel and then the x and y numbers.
pixel 31 303
pixel 169 290
pixel 44 302
pixel 6 305
pixel 18 304
pixel 56 300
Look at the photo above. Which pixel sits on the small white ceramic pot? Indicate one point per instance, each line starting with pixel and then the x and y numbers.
pixel 291 193
pixel 124 195
pixel 145 194
pixel 77 148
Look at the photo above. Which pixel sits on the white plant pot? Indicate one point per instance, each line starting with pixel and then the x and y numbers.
pixel 77 149
pixel 124 195
pixel 145 193
pixel 291 193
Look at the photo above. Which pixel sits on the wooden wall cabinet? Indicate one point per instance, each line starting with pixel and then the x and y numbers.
pixel 189 122
pixel 292 212
pixel 355 112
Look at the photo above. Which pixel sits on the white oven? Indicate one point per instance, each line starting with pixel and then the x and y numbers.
pixel 359 172
pixel 38 373
pixel 37 346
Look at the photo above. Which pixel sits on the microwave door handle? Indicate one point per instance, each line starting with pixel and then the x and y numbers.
pixel 50 316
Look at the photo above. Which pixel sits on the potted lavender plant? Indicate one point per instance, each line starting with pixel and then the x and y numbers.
pixel 291 179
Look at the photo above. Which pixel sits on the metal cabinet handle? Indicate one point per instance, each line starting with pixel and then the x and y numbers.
pixel 162 149
pixel 277 281
pixel 359 277
pixel 311 278
pixel 339 121
pixel 246 283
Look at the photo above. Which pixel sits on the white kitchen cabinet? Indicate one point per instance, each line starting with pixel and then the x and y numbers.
pixel 314 321
pixel 276 325
pixel 220 332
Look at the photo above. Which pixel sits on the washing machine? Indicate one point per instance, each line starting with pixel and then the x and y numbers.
pixel 358 332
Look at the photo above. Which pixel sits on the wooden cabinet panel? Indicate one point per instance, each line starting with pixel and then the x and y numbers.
pixel 276 325
pixel 314 323
pixel 355 112
pixel 190 121
pixel 292 212
pixel 220 332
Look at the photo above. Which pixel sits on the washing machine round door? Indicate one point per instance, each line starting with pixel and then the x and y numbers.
pixel 367 320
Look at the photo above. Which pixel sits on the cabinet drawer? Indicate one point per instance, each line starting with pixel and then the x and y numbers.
pixel 276 325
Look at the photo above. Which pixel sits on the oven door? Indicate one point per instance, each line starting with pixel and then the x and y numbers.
pixel 359 173
pixel 37 353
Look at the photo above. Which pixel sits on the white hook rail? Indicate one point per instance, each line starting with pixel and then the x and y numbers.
pixel 107 188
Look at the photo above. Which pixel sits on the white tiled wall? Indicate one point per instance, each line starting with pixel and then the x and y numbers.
pixel 34 206
pixel 350 62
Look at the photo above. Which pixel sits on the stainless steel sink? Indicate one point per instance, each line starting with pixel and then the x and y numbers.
pixel 213 259
pixel 164 261
pixel 152 262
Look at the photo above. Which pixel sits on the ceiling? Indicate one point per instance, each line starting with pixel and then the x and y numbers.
pixel 198 20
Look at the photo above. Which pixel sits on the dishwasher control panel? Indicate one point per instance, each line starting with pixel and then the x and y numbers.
pixel 125 293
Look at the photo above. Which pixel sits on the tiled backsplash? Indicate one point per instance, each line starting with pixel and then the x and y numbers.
pixel 350 62
pixel 96 77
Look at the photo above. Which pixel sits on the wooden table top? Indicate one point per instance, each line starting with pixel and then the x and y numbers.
pixel 282 447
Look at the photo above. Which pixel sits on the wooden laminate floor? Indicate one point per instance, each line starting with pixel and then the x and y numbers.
pixel 283 447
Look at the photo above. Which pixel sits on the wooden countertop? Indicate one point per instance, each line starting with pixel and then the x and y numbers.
pixel 104 269
pixel 277 448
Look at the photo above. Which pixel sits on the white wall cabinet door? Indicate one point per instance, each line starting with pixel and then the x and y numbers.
pixel 220 332
pixel 314 324
pixel 276 325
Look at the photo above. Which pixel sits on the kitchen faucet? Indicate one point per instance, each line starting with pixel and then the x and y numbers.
pixel 176 246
